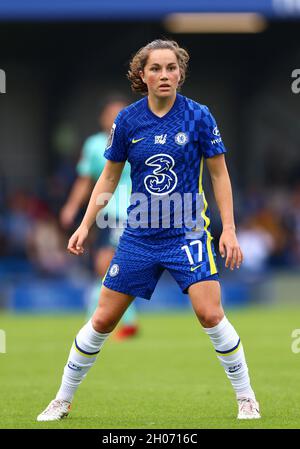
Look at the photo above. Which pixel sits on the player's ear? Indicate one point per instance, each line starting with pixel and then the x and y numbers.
pixel 141 73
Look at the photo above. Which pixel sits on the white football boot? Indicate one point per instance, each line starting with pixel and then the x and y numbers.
pixel 248 409
pixel 56 410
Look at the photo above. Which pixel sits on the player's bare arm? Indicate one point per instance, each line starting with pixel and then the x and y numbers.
pixel 106 184
pixel 228 244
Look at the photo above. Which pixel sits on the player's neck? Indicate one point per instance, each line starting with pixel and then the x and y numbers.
pixel 160 106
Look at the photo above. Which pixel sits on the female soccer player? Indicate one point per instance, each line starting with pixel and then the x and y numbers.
pixel 165 137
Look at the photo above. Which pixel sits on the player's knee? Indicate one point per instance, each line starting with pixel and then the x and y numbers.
pixel 210 318
pixel 103 323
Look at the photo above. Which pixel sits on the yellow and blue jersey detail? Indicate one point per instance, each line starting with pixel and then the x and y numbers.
pixel 209 238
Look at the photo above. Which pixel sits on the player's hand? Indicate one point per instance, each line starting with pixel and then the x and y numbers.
pixel 67 216
pixel 75 245
pixel 229 247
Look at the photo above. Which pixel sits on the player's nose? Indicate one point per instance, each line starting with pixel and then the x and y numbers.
pixel 164 75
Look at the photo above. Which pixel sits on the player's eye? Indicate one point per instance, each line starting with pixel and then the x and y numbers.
pixel 173 67
pixel 154 69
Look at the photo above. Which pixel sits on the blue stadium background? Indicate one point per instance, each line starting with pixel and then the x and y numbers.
pixel 62 57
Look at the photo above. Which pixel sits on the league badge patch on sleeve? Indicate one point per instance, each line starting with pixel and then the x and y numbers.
pixel 111 137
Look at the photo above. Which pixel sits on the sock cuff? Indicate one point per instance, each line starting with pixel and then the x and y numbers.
pixel 89 340
pixel 94 332
pixel 219 327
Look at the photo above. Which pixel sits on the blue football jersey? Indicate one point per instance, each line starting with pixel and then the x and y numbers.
pixel 166 156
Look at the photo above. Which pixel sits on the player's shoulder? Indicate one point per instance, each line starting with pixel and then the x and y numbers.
pixel 195 105
pixel 131 110
pixel 129 117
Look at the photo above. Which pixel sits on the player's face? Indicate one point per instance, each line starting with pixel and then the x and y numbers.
pixel 161 73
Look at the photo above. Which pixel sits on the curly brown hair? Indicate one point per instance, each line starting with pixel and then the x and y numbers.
pixel 139 61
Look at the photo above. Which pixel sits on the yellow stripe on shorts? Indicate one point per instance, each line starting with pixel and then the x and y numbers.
pixel 209 238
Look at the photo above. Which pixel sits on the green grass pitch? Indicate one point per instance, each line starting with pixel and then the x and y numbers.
pixel 168 377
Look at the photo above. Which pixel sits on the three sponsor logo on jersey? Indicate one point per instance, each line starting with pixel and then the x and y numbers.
pixel 161 180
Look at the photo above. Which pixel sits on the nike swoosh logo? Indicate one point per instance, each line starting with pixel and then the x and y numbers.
pixel 137 140
pixel 195 268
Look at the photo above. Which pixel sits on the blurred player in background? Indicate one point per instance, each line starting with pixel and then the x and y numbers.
pixel 89 168
pixel 165 137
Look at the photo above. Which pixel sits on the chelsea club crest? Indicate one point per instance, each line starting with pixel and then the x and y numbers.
pixel 114 270
pixel 181 138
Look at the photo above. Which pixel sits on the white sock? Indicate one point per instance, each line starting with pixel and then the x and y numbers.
pixel 230 352
pixel 83 355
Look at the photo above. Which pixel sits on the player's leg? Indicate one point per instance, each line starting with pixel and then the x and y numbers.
pixel 85 350
pixel 132 270
pixel 111 307
pixel 206 301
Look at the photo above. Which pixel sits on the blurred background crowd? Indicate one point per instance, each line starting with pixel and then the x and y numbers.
pixel 61 71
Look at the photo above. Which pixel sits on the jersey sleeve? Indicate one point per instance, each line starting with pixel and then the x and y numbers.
pixel 84 165
pixel 117 145
pixel 210 139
